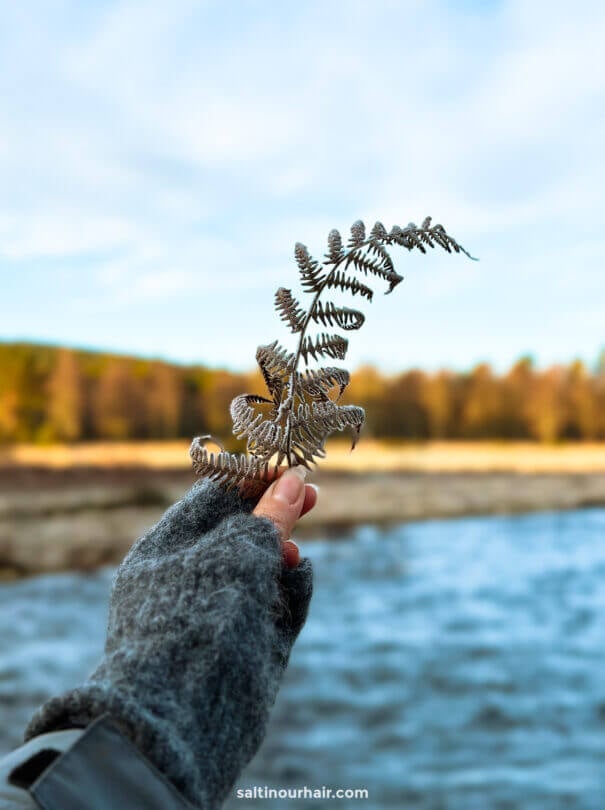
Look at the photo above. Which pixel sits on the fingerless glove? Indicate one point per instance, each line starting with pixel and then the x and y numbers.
pixel 203 615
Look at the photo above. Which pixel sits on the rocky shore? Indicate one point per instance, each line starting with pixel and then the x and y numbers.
pixel 54 519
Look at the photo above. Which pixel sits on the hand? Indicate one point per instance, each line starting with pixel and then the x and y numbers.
pixel 287 500
pixel 203 615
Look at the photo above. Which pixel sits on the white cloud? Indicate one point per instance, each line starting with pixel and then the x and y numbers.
pixel 188 150
pixel 65 233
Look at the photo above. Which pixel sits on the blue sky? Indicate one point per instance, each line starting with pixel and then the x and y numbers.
pixel 158 161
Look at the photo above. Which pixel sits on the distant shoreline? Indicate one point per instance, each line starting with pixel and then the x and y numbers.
pixel 63 518
pixel 369 456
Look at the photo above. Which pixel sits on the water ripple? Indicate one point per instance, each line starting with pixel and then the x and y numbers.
pixel 447 664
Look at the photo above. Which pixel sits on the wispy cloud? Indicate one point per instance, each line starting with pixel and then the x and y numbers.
pixel 169 155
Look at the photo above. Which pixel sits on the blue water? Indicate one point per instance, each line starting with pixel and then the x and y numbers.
pixel 447 664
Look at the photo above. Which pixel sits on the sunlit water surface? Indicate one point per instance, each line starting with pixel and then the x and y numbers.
pixel 446 664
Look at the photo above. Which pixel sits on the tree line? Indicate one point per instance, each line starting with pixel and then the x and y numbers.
pixel 52 394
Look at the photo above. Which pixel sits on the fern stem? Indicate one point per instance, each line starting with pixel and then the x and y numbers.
pixel 308 317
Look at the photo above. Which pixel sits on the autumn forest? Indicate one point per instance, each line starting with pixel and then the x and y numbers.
pixel 50 394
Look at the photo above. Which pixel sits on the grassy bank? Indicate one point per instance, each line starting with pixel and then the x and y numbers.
pixel 369 456
pixel 80 507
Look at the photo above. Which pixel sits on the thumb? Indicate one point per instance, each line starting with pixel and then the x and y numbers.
pixel 283 501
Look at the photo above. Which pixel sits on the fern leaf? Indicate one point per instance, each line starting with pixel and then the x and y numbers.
pixel 335 249
pixel 274 357
pixel 342 317
pixel 308 435
pixel 412 237
pixel 358 234
pixel 362 262
pixel 275 364
pixel 382 254
pixel 340 417
pixel 265 440
pixel 318 383
pixel 443 240
pixel 378 231
pixel 303 411
pixel 325 417
pixel 289 309
pixel 230 469
pixel 340 280
pixel 244 416
pixel 333 346
pixel 311 272
pixel 446 241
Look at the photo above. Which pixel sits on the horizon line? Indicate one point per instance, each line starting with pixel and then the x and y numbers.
pixel 124 354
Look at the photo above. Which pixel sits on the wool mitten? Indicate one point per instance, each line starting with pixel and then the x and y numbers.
pixel 203 615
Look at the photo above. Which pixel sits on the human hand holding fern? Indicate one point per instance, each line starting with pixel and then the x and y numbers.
pixel 302 410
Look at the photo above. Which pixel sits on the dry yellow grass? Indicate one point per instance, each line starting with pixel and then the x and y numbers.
pixel 369 456
pixel 79 507
pixel 468 457
pixel 154 455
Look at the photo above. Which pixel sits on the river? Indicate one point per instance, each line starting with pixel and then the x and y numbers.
pixel 445 665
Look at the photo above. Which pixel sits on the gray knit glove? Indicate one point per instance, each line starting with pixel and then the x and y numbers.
pixel 202 619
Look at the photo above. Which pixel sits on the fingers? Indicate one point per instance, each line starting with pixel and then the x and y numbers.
pixel 284 500
pixel 290 554
pixel 289 548
pixel 311 493
pixel 284 503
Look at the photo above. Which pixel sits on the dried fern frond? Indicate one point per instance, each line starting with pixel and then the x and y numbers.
pixel 311 272
pixel 230 469
pixel 341 281
pixel 318 383
pixel 289 309
pixel 341 317
pixel 276 365
pixel 324 345
pixel 302 411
